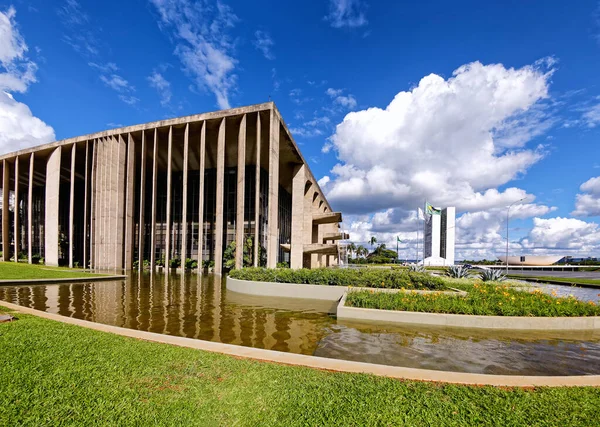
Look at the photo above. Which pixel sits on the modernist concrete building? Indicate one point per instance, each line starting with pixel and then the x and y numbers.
pixel 179 188
pixel 439 237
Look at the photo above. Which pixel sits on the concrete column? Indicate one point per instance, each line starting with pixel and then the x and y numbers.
pixel 201 195
pixel 30 210
pixel 93 205
pixel 119 187
pixel 241 177
pixel 142 225
pixel 273 229
pixel 297 244
pixel 257 193
pixel 129 202
pixel 168 232
pixel 184 196
pixel 308 221
pixel 72 204
pixel 5 211
pixel 16 211
pixel 219 198
pixel 153 215
pixel 52 199
pixel 85 204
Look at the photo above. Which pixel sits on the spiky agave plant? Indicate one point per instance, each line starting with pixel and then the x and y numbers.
pixel 458 272
pixel 492 275
pixel 416 268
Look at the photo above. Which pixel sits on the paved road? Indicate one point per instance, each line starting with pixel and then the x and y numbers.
pixel 565 274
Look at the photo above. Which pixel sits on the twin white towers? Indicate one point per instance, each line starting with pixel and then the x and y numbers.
pixel 440 225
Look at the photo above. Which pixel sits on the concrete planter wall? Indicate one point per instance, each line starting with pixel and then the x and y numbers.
pixel 467 320
pixel 287 290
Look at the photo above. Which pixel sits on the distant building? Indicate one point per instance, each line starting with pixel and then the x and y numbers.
pixel 531 260
pixel 174 189
pixel 439 238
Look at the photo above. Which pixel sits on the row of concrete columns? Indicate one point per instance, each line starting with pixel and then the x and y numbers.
pixel 110 195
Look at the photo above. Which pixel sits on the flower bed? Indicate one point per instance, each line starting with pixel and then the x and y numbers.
pixel 482 299
pixel 373 278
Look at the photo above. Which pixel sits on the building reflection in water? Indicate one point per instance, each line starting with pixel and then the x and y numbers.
pixel 191 306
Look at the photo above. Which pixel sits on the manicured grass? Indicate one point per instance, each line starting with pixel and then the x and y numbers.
pixel 565 280
pixel 21 271
pixel 366 277
pixel 484 299
pixel 58 374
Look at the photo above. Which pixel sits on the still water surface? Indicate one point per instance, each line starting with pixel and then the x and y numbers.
pixel 202 308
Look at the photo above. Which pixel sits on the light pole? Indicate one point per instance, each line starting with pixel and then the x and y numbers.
pixel 507 215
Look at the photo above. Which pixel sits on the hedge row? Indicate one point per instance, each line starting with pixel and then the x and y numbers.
pixel 367 277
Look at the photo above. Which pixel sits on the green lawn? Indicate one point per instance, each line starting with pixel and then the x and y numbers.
pixel 21 271
pixel 57 374
pixel 568 281
pixel 483 299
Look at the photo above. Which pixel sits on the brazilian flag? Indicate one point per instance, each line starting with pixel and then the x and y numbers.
pixel 430 210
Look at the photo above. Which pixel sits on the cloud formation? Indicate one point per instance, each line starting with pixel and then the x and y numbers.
pixel 444 141
pixel 162 86
pixel 346 13
pixel 203 45
pixel 19 128
pixel 263 42
pixel 587 203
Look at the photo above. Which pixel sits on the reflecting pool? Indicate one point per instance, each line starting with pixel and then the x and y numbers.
pixel 201 307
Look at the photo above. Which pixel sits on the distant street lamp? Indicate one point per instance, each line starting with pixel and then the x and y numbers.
pixel 507 215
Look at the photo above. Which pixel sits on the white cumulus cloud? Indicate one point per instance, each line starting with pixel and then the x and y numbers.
pixel 588 202
pixel 19 128
pixel 442 141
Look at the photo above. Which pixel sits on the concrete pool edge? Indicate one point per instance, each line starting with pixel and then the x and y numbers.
pixel 322 363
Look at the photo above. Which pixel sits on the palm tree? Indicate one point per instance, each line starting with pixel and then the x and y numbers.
pixel 351 248
pixel 373 241
pixel 361 250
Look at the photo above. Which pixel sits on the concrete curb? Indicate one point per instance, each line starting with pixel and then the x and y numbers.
pixel 325 363
pixel 468 321
pixel 61 280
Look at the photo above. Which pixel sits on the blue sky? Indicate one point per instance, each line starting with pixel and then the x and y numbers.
pixel 498 100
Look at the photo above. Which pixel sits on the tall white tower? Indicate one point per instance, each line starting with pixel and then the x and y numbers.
pixel 439 236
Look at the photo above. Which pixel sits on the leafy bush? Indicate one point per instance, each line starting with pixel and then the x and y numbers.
pixel 174 262
pixel 367 277
pixel 191 264
pixel 483 299
pixel 35 258
pixel 416 268
pixel 492 275
pixel 283 265
pixel 458 272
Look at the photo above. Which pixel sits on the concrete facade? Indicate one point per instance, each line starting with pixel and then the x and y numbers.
pixel 185 188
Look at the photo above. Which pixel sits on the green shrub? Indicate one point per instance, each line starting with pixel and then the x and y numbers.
pixel 35 258
pixel 283 265
pixel 492 275
pixel 483 299
pixel 191 264
pixel 174 262
pixel 367 277
pixel 458 272
pixel 416 268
